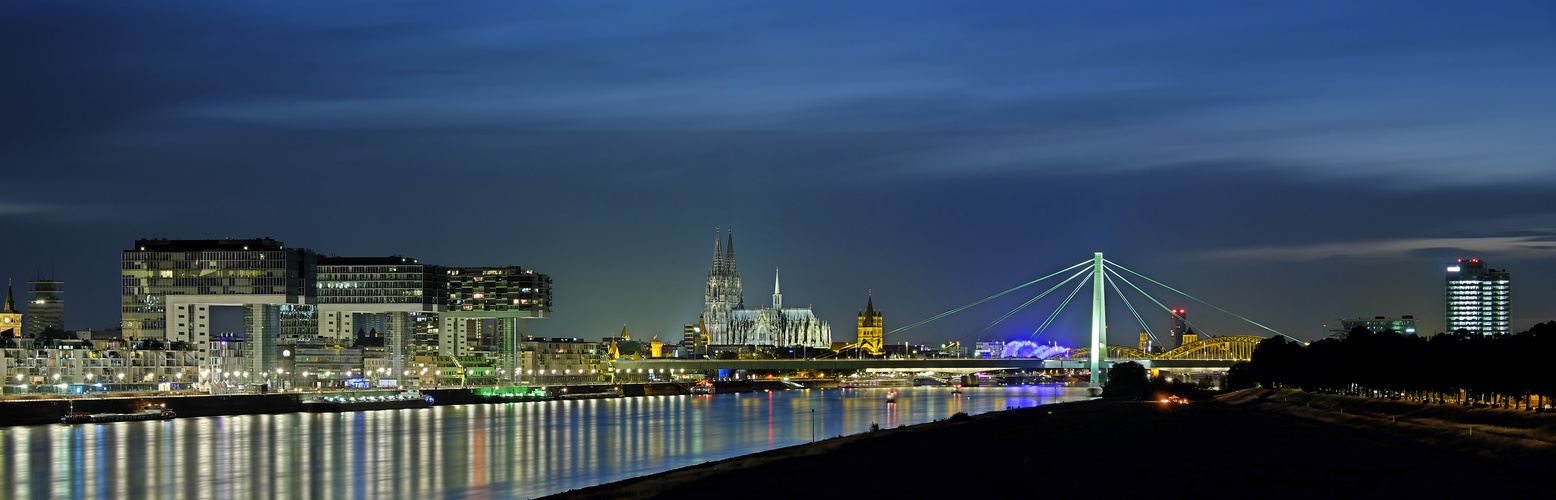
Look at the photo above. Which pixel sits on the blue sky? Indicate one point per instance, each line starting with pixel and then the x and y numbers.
pixel 1296 163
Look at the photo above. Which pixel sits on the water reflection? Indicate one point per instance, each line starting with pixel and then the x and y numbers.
pixel 517 449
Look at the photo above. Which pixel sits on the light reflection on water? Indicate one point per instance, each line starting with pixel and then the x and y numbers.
pixel 474 451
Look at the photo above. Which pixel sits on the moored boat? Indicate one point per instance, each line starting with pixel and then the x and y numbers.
pixel 151 412
pixel 367 402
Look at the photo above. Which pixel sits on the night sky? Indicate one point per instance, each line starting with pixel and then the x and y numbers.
pixel 1292 162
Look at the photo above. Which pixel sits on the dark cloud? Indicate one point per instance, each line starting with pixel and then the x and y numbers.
pixel 1301 162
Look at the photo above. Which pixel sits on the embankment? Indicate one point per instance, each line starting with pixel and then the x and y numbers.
pixel 32 411
pixel 1106 449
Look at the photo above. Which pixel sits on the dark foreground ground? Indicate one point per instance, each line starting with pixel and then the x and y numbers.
pixel 1111 449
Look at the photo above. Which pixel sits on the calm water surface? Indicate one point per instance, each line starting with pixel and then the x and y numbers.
pixel 473 451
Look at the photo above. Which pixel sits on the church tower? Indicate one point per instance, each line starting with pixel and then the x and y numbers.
pixel 871 329
pixel 10 319
pixel 723 292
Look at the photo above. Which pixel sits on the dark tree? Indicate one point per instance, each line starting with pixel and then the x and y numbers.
pixel 1127 380
pixel 1240 376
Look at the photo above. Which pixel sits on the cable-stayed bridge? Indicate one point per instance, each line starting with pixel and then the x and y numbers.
pixel 1210 353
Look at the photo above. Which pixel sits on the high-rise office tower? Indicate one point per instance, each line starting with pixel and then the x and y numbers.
pixel 1477 298
pixel 46 308
pixel 1177 328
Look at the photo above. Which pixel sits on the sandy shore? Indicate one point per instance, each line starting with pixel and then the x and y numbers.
pixel 1112 449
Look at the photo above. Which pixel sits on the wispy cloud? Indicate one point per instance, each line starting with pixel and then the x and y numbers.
pixel 25 208
pixel 1537 245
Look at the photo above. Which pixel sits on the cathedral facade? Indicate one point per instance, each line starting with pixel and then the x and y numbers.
pixel 729 322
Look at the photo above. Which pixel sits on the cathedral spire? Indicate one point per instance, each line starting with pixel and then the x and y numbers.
pixel 777 295
pixel 869 305
pixel 718 254
pixel 729 250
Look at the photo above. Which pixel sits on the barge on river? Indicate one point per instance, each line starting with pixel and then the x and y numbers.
pixel 366 401
pixel 151 412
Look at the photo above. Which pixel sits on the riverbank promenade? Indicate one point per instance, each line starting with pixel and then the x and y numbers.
pixel 1115 449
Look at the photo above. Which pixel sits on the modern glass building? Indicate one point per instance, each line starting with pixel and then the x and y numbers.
pixel 389 295
pixel 477 292
pixel 162 280
pixel 45 308
pixel 508 295
pixel 1478 298
pixel 168 288
pixel 1177 327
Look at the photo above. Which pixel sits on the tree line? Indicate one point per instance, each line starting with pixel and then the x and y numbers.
pixel 1461 367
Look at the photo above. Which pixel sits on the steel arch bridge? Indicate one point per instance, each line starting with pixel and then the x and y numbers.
pixel 1234 347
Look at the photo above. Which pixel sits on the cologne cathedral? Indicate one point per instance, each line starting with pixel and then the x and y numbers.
pixel 729 322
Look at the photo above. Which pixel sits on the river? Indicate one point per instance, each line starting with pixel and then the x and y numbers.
pixel 466 451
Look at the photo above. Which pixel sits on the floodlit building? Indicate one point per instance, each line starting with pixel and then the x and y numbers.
pixel 729 322
pixel 559 361
pixel 694 338
pixel 989 349
pixel 1477 298
pixel 871 329
pixel 10 318
pixel 723 292
pixel 778 326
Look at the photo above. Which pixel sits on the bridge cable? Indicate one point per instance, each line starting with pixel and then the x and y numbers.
pixel 1120 292
pixel 985 299
pixel 1197 299
pixel 1028 303
pixel 1051 317
pixel 1159 303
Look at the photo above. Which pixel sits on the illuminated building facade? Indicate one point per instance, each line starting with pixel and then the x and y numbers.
pixel 509 295
pixel 169 286
pixel 388 295
pixel 694 337
pixel 1478 299
pixel 10 318
pixel 722 293
pixel 728 322
pixel 872 328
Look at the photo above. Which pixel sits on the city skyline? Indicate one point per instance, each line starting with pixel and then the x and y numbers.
pixel 1294 165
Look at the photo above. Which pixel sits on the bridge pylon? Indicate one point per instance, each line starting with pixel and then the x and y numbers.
pixel 1098 321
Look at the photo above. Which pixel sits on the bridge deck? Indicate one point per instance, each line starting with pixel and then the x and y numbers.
pixel 963 365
